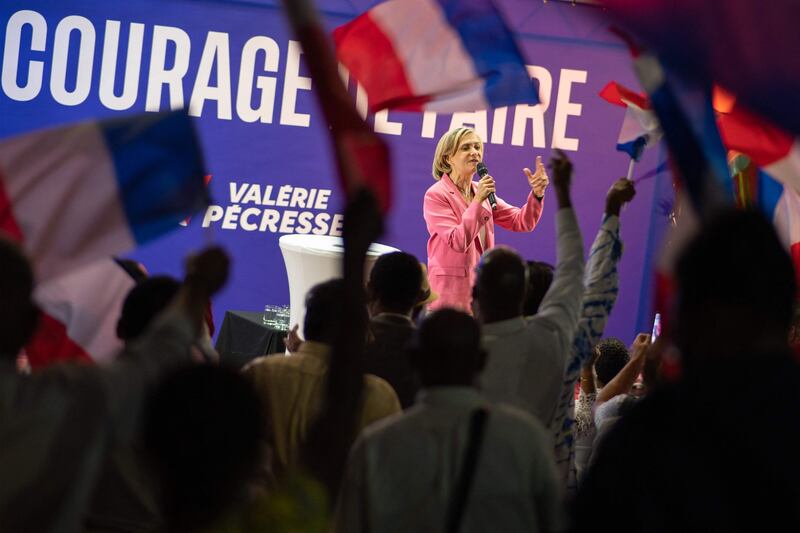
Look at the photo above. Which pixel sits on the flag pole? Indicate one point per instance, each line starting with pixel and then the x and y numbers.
pixel 630 168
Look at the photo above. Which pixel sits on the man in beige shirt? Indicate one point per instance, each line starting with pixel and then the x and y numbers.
pixel 293 387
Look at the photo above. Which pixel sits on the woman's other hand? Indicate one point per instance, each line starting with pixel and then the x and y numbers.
pixel 538 180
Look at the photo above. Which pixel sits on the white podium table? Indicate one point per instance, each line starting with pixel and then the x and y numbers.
pixel 312 259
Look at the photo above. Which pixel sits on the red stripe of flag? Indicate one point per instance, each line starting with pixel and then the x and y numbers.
pixel 361 45
pixel 8 224
pixel 617 94
pixel 51 344
pixel 362 157
pixel 761 141
pixel 794 250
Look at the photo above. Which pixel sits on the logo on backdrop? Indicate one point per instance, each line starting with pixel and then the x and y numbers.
pixel 275 209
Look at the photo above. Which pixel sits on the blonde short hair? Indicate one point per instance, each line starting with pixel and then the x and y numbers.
pixel 447 146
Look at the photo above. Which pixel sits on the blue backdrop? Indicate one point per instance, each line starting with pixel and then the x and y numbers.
pixel 235 66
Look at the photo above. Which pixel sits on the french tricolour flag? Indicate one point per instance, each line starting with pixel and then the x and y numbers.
pixel 687 121
pixel 74 194
pixel 640 127
pixel 435 55
pixel 777 153
pixel 79 314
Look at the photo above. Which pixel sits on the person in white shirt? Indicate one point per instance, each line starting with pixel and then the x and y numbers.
pixel 404 471
pixel 528 356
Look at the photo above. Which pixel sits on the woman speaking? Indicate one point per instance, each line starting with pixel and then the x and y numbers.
pixel 461 220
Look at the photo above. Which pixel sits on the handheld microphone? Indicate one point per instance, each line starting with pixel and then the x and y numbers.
pixel 483 171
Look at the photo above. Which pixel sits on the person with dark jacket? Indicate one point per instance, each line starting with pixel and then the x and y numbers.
pixel 393 291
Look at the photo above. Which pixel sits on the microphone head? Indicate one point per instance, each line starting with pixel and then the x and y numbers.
pixel 482 170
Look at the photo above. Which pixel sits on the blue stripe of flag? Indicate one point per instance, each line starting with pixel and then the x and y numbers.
pixel 712 143
pixel 694 143
pixel 160 170
pixel 695 101
pixel 633 148
pixel 496 55
pixel 769 193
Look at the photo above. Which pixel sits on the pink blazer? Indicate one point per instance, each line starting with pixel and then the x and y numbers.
pixel 454 247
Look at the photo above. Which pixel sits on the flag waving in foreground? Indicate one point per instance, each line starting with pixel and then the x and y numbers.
pixel 759 65
pixel 78 193
pixel 640 126
pixel 698 158
pixel 776 189
pixel 750 48
pixel 362 158
pixel 435 55
pixel 698 135
pixel 771 148
pixel 79 314
pixel 688 121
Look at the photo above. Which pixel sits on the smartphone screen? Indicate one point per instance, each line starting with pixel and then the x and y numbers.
pixel 656 328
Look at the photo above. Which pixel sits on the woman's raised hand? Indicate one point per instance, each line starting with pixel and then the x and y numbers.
pixel 538 180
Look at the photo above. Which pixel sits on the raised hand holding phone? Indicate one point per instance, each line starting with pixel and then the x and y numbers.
pixel 656 328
